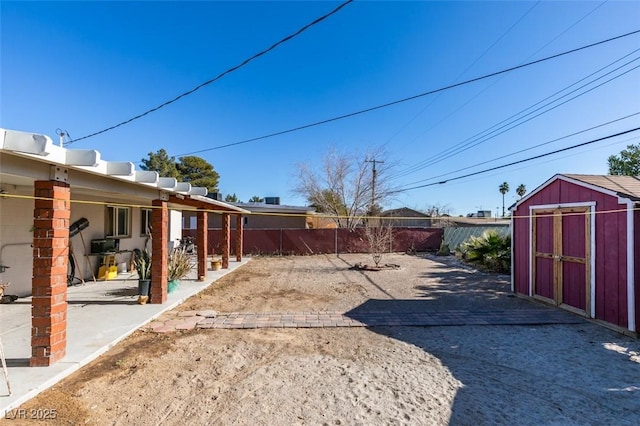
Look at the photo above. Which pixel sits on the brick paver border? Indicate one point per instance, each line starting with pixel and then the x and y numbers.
pixel 187 320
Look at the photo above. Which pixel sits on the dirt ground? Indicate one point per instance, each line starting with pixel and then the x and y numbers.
pixel 558 374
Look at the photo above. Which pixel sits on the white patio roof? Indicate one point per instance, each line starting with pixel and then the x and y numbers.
pixel 42 149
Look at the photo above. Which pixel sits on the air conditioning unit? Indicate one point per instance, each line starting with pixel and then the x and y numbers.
pixel 215 196
pixel 272 200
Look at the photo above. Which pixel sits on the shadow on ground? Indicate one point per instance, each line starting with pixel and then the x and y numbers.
pixel 463 288
pixel 553 374
pixel 568 373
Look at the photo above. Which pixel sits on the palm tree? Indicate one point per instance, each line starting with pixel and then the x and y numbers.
pixel 503 188
pixel 521 190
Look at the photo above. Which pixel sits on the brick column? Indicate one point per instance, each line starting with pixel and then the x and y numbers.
pixel 226 240
pixel 202 241
pixel 159 251
pixel 239 235
pixel 49 282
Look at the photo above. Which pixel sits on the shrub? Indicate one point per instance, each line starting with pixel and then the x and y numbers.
pixel 379 239
pixel 491 251
pixel 179 264
pixel 444 249
pixel 142 262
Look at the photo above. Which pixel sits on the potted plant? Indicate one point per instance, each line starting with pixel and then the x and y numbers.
pixel 179 265
pixel 216 263
pixel 142 262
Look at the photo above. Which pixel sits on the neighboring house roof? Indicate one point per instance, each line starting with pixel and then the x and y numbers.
pixel 622 186
pixel 480 221
pixel 40 148
pixel 403 212
pixel 274 208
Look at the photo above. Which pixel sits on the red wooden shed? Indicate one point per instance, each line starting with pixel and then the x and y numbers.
pixel 576 245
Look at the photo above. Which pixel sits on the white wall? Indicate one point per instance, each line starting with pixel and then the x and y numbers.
pixel 96 214
pixel 175 228
pixel 16 238
pixel 81 244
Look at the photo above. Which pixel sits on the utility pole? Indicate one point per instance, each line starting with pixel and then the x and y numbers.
pixel 373 181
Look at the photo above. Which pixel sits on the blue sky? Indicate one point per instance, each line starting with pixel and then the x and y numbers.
pixel 85 66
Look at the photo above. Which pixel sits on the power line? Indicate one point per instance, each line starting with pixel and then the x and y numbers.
pixel 528 149
pixel 512 121
pixel 517 162
pixel 475 61
pixel 496 81
pixel 219 76
pixel 411 98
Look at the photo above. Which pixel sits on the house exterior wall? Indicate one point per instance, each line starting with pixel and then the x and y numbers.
pixel 409 223
pixel 251 221
pixel 95 214
pixel 610 245
pixel 89 264
pixel 409 218
pixel 16 239
pixel 175 228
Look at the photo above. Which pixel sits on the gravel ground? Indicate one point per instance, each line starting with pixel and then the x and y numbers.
pixel 555 374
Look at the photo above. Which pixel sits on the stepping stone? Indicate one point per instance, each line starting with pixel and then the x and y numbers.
pixel 187 325
pixel 187 313
pixel 154 324
pixel 174 322
pixel 207 313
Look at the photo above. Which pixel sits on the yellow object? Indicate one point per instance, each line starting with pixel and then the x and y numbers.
pixel 108 270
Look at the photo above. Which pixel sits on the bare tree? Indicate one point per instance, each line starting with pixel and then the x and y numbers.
pixel 342 187
pixel 379 239
pixel 437 210
pixel 439 214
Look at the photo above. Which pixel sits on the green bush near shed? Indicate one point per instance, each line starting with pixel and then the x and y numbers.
pixel 490 252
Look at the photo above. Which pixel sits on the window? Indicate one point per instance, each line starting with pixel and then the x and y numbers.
pixel 145 222
pixel 189 220
pixel 118 220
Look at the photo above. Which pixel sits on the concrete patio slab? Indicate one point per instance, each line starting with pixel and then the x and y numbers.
pixel 99 315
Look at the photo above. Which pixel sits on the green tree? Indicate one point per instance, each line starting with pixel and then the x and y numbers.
pixel 327 201
pixel 521 190
pixel 161 163
pixel 256 199
pixel 232 198
pixel 503 188
pixel 198 172
pixel 627 163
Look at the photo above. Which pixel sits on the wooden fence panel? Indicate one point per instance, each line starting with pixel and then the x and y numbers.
pixel 315 241
pixel 308 241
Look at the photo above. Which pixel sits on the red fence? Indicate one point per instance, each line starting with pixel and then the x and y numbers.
pixel 318 241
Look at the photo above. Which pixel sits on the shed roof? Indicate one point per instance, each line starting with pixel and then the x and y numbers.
pixel 625 186
pixel 621 186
